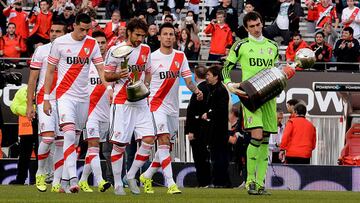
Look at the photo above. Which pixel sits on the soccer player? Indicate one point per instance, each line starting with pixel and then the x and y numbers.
pixel 128 118
pixel 167 65
pixel 48 125
pixel 71 54
pixel 97 125
pixel 251 52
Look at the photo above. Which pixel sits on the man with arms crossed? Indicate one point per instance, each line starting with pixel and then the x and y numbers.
pixel 250 52
pixel 48 125
pixel 167 65
pixel 72 54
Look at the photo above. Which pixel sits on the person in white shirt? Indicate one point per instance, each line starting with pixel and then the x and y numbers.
pixel 351 17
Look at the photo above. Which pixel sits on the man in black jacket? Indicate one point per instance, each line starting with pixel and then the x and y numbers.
pixel 217 116
pixel 195 130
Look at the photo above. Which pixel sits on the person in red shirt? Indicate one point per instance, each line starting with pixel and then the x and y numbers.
pixel 299 138
pixel 113 25
pixel 294 46
pixel 323 50
pixel 11 45
pixel 119 36
pixel 40 32
pixel 221 36
pixel 16 15
pixel 326 13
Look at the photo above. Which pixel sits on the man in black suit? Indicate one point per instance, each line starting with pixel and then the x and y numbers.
pixel 195 130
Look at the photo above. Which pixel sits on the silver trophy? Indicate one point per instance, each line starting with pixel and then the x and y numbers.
pixel 269 83
pixel 136 89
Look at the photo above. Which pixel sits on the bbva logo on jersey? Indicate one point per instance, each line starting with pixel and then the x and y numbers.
pixel 77 60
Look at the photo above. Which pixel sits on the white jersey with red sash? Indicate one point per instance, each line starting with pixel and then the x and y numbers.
pixel 139 61
pixel 73 61
pixel 39 62
pixel 164 86
pixel 99 108
pixel 326 15
pixel 352 14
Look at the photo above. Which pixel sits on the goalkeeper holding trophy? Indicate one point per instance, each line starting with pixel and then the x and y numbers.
pixel 261 83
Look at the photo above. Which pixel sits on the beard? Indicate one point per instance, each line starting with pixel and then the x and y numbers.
pixel 18 9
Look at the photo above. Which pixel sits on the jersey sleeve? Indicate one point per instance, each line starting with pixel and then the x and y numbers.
pixel 185 70
pixel 231 60
pixel 54 55
pixel 110 61
pixel 96 57
pixel 36 60
pixel 148 65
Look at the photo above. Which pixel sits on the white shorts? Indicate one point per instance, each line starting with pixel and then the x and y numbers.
pixel 166 124
pixel 48 123
pixel 194 7
pixel 96 129
pixel 126 120
pixel 71 111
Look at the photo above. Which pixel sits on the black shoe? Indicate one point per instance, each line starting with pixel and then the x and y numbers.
pixel 262 191
pixel 252 189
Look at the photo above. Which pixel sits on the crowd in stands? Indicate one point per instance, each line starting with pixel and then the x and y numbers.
pixel 332 27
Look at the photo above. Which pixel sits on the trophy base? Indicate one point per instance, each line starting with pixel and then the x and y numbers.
pixel 137 91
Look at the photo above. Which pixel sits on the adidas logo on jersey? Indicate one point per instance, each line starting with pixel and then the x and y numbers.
pixel 68 51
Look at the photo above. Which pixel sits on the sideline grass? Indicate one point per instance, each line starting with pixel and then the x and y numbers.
pixel 30 194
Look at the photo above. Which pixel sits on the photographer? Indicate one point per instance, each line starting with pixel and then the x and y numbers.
pixel 221 37
pixel 11 45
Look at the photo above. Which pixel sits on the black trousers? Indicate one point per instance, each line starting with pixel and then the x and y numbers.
pixel 297 160
pixel 220 165
pixel 32 40
pixel 201 157
pixel 28 143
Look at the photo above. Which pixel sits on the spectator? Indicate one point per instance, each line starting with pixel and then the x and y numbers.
pixel 217 115
pixel 148 8
pixel 323 50
pixel 67 16
pixel 331 35
pixel 351 17
pixel 60 6
pixel 152 38
pixel 186 45
pixel 11 44
pixel 94 24
pixel 312 16
pixel 295 11
pixel 2 19
pixel 142 16
pixel 346 49
pixel 231 14
pixel 40 32
pixel 299 138
pixel 221 37
pixel 86 7
pixel 193 6
pixel 195 129
pixel 190 24
pixel 120 36
pixel 113 25
pixel 326 13
pixel 17 16
pixel 168 19
pixel 275 139
pixel 294 46
pixel 241 31
pixel 281 25
pixel 290 104
pixel 166 12
pixel 175 7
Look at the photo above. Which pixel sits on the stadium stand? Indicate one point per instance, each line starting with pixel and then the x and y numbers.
pixel 350 155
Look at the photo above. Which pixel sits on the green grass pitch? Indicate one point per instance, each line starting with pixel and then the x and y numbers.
pixel 30 194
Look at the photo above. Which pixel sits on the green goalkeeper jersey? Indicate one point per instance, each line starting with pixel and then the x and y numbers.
pixel 253 56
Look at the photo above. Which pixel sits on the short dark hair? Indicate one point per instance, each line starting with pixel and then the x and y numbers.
pixel 11 24
pixel 166 8
pixel 169 16
pixel 136 23
pixel 116 11
pixel 297 34
pixel 82 18
pixel 320 33
pixel 166 25
pixel 253 15
pixel 349 29
pixel 300 109
pixel 44 1
pixel 293 102
pixel 221 12
pixel 200 72
pixel 62 23
pixel 98 33
pixel 69 8
pixel 216 71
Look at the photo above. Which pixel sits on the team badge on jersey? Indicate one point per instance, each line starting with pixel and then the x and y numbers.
pixel 87 51
pixel 91 132
pixel 250 120
pixel 177 65
pixel 62 117
pixel 161 127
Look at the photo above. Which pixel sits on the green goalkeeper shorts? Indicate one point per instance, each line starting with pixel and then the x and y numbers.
pixel 264 117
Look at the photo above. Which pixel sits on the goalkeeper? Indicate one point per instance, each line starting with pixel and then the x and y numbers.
pixel 254 54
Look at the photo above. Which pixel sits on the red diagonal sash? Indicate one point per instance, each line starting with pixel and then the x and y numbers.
pixel 95 96
pixel 75 69
pixel 352 17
